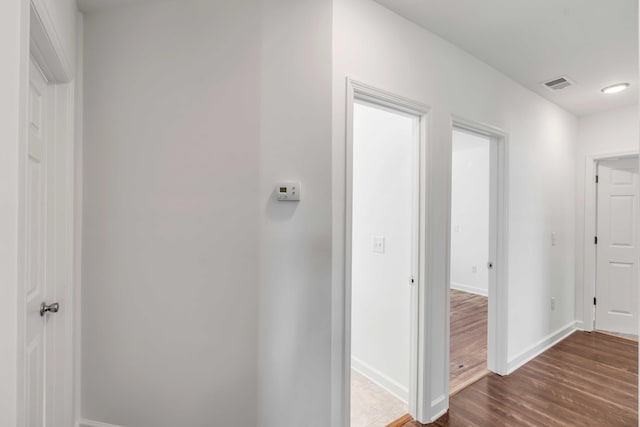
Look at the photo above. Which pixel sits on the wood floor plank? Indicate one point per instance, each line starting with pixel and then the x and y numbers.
pixel 468 357
pixel 588 379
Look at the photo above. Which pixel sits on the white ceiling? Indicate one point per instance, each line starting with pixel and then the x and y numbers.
pixel 594 42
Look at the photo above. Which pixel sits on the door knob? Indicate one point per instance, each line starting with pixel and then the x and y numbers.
pixel 52 308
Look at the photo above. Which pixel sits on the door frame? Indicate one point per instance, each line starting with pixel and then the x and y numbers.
pixel 418 383
pixel 498 315
pixel 590 230
pixel 42 43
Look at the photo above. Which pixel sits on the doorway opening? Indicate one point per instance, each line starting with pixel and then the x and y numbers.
pixel 478 257
pixel 383 261
pixel 470 259
pixel 616 246
pixel 380 341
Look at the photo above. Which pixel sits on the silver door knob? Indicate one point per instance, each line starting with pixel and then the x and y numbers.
pixel 52 308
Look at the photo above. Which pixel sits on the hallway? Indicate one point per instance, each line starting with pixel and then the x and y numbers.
pixel 588 379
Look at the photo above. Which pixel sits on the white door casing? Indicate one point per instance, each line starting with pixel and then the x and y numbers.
pixel 617 249
pixel 420 402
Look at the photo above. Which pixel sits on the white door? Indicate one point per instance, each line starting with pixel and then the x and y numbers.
pixel 39 257
pixel 617 248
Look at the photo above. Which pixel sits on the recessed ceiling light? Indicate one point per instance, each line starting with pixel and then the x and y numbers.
pixel 615 88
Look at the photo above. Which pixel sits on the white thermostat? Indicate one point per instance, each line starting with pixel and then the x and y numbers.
pixel 288 191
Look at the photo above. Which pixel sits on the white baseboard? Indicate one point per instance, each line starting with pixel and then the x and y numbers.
pixel 541 346
pixel 470 289
pixel 88 423
pixel 377 377
pixel 439 407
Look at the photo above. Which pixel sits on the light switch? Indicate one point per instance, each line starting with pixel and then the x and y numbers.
pixel 288 191
pixel 378 244
pixel 554 239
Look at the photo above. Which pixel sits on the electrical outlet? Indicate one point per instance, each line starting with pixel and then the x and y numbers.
pixel 554 239
pixel 553 304
pixel 378 244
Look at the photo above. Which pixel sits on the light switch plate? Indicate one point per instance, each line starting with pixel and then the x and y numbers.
pixel 288 191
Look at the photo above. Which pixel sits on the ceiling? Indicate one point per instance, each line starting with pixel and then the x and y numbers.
pixel 593 42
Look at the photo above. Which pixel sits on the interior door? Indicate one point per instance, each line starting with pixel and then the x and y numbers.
pixel 617 248
pixel 39 259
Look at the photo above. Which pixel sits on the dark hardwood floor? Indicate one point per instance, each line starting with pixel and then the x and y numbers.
pixel 588 379
pixel 468 359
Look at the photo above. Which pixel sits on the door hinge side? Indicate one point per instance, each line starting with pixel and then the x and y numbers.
pixel 595 240
pixel 594 300
pixel 597 179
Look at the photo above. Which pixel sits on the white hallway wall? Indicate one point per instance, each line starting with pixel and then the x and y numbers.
pixel 612 131
pixel 203 299
pixel 377 47
pixel 470 213
pixel 383 191
pixel 169 279
pixel 11 86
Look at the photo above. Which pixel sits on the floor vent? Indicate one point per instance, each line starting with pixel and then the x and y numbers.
pixel 558 83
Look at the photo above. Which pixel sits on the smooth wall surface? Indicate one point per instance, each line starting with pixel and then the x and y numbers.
pixel 171 219
pixel 295 246
pixel 609 132
pixel 204 298
pixel 470 213
pixel 379 48
pixel 384 185
pixel 12 77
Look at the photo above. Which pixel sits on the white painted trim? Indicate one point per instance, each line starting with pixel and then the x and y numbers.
pixel 83 422
pixel 46 45
pixel 419 387
pixel 375 376
pixel 541 346
pixel 441 406
pixel 590 228
pixel 498 301
pixel 470 289
pixel 77 232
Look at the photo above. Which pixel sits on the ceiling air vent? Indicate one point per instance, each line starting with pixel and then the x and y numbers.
pixel 558 83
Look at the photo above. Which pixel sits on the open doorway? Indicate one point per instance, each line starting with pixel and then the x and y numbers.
pixel 478 259
pixel 383 261
pixel 470 197
pixel 616 244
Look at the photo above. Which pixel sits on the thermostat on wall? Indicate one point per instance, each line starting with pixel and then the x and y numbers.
pixel 288 191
